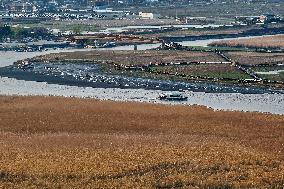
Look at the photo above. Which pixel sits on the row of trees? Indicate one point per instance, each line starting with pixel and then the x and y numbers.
pixel 18 33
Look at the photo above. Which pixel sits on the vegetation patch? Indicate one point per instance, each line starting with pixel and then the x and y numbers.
pixel 274 77
pixel 256 58
pixel 52 142
pixel 136 57
pixel 268 42
pixel 206 70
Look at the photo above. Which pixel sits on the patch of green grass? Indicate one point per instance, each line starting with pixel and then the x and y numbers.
pixel 232 75
pixel 268 68
pixel 212 48
pixel 205 70
pixel 274 77
pixel 64 27
pixel 145 74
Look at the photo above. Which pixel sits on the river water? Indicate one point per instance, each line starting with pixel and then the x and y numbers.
pixel 127 28
pixel 231 100
pixel 201 43
pixel 7 58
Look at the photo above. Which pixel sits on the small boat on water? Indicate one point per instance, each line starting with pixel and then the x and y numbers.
pixel 173 97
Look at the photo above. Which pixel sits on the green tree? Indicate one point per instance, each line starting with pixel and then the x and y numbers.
pixel 76 29
pixel 5 32
pixel 19 32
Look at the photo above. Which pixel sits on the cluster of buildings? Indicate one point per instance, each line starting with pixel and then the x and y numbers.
pixel 265 18
pixel 66 11
pixel 28 6
pixel 78 15
pixel 57 4
pixel 100 9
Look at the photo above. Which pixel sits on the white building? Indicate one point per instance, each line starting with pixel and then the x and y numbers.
pixel 145 15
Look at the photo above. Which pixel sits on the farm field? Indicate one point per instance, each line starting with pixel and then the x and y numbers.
pixel 96 25
pixel 274 42
pixel 255 58
pixel 134 57
pixel 213 70
pixel 219 11
pixel 267 65
pixel 210 31
pixel 274 77
pixel 202 65
pixel 196 32
pixel 53 142
pixel 206 70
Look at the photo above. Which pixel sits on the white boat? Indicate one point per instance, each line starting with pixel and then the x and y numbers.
pixel 173 97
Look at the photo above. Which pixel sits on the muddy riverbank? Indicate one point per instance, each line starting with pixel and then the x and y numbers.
pixel 71 81
pixel 272 103
pixel 92 75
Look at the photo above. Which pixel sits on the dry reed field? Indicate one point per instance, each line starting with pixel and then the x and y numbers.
pixel 54 142
pixel 254 58
pixel 135 57
pixel 276 41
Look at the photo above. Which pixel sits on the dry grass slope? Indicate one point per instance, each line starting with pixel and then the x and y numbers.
pixel 135 57
pixel 276 41
pixel 51 142
pixel 254 58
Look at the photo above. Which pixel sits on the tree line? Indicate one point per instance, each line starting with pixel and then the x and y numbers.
pixel 18 33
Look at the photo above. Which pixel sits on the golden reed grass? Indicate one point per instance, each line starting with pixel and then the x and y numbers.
pixel 276 41
pixel 52 142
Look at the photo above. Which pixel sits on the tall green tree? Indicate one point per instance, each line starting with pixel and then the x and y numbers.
pixel 76 29
pixel 5 32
